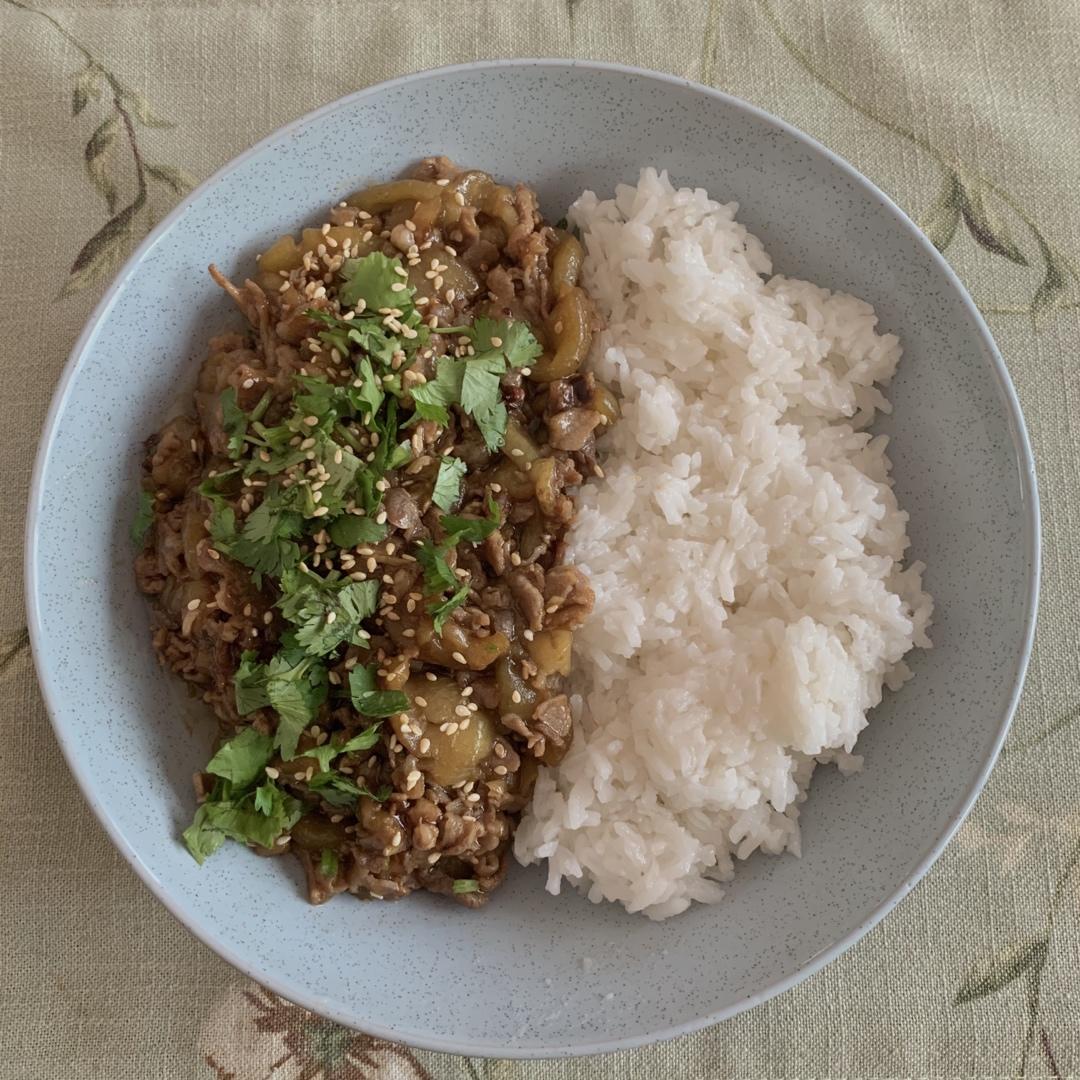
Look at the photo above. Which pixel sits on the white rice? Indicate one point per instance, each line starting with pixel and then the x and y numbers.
pixel 746 549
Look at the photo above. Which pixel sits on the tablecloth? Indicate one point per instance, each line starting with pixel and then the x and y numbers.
pixel 967 113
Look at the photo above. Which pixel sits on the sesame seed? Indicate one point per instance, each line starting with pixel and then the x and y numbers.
pixel 515 559
pixel 272 772
pixel 529 635
pixel 496 488
pixel 413 778
pixel 467 692
pixel 268 617
pixel 496 342
pixel 425 745
pixel 398 286
pixel 380 518
pixel 430 676
pixel 500 750
pixel 460 710
pixel 193 604
pixel 322 511
pixel 459 198
pixel 456 656
pixel 473 798
pixel 443 182
pixel 515 697
pixel 371 565
pixel 311 421
pixel 408 632
pixel 451 728
pixel 451 296
pixel 500 770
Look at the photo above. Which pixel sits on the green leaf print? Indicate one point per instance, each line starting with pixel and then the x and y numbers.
pixel 987 226
pixel 941 219
pixel 1002 969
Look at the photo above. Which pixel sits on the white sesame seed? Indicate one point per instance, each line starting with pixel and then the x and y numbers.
pixel 529 635
pixel 515 697
pixel 272 772
pixel 430 676
pixel 322 511
pixel 456 656
pixel 193 604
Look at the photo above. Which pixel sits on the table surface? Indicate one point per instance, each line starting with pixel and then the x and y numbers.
pixel 968 114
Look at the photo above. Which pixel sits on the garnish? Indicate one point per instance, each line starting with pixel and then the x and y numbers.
pixel 328 864
pixel 465 885
pixel 144 517
pixel 371 702
pixel 236 808
pixel 447 487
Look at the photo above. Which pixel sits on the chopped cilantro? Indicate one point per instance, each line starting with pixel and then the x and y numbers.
pixel 372 279
pixel 243 758
pixel 293 683
pixel 349 530
pixel 328 864
pixel 339 790
pixel 371 702
pixel 326 753
pixel 326 611
pixel 441 610
pixel 234 421
pixel 431 399
pixel 448 483
pixel 254 817
pixel 438 574
pixel 465 885
pixel 472 529
pixel 144 517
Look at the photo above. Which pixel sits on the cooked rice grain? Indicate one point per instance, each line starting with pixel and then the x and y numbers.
pixel 746 549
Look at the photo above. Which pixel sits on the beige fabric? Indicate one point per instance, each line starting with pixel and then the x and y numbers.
pixel 96 979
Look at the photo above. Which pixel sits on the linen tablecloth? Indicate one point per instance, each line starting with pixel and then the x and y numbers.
pixel 967 113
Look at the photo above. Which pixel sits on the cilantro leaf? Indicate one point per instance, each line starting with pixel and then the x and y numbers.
pixel 249 684
pixel 243 758
pixel 234 421
pixel 480 388
pixel 144 517
pixel 295 686
pixel 472 529
pixel 201 838
pixel 448 482
pixel 328 864
pixel 372 702
pixel 339 790
pixel 256 816
pixel 369 395
pixel 438 576
pixel 432 398
pixel 440 611
pixel 465 885
pixel 492 421
pixel 326 753
pixel 363 740
pixel 349 530
pixel 326 612
pixel 372 279
pixel 519 346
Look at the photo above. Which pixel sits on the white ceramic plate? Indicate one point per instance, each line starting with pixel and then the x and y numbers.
pixel 533 975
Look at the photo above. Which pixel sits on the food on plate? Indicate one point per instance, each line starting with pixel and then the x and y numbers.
pixel 746 549
pixel 353 541
pixel 384 551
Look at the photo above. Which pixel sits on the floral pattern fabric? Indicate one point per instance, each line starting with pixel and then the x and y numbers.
pixel 966 113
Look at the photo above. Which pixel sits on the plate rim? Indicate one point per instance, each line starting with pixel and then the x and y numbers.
pixel 340 1013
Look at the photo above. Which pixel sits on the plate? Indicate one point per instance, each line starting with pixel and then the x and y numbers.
pixel 534 975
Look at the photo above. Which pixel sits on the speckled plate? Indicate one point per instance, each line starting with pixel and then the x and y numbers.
pixel 534 975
